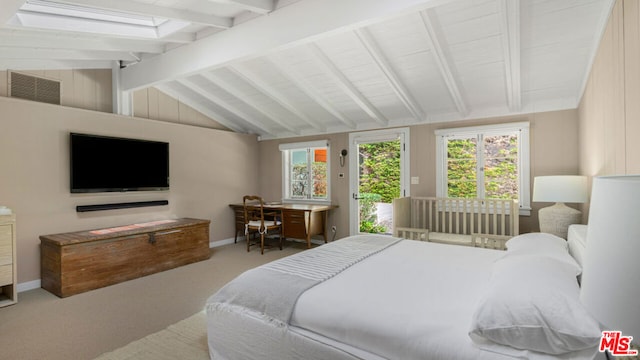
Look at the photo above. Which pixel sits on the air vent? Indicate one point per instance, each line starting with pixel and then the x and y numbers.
pixel 34 88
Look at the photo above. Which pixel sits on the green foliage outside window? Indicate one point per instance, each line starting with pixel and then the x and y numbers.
pixel 500 178
pixel 379 181
pixel 368 216
pixel 461 168
pixel 380 169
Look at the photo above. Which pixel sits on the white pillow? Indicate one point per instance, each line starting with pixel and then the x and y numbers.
pixel 542 244
pixel 537 242
pixel 532 303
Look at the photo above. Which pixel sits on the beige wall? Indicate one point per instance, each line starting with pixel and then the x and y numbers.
pixel 554 150
pixel 609 112
pixel 209 169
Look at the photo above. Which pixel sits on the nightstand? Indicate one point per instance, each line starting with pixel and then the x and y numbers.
pixel 8 270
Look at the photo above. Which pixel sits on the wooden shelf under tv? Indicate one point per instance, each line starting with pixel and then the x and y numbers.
pixel 76 262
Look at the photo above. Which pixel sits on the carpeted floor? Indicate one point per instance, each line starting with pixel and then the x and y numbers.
pixel 44 327
pixel 187 339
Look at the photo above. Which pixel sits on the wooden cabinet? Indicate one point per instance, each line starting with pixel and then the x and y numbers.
pixel 76 262
pixel 8 270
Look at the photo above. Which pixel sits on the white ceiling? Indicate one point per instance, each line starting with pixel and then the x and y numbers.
pixel 301 67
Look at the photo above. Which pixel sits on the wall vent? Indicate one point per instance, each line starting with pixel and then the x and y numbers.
pixel 34 88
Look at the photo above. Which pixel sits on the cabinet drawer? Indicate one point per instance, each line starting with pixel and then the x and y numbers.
pixel 294 224
pixel 6 274
pixel 6 245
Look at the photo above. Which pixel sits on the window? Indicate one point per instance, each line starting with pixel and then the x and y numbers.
pixel 484 162
pixel 305 168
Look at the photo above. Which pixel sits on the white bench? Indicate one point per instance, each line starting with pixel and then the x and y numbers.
pixel 471 222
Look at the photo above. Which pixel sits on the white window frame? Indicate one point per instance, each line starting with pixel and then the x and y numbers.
pixel 307 145
pixel 524 189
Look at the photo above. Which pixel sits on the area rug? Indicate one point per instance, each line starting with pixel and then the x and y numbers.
pixel 186 339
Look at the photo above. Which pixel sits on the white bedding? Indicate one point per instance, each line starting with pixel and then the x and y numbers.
pixel 414 300
pixel 398 306
pixel 577 241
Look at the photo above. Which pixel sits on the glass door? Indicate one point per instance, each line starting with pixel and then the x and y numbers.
pixel 380 161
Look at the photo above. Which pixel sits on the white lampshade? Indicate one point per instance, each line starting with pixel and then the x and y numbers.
pixel 610 289
pixel 560 188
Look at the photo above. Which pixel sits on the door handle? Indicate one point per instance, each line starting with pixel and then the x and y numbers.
pixel 356 197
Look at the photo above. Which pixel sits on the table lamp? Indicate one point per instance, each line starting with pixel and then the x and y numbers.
pixel 560 189
pixel 611 266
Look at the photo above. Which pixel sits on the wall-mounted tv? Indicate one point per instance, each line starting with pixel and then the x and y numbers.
pixel 103 164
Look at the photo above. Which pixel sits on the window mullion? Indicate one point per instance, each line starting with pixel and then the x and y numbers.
pixel 480 165
pixel 309 175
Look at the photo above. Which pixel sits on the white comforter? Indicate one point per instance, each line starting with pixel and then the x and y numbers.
pixel 413 301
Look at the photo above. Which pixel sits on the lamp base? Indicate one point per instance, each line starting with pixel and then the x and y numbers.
pixel 556 219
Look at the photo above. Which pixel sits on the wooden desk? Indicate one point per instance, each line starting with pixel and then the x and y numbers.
pixel 299 221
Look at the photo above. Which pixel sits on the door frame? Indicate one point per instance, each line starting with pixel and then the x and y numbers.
pixel 372 136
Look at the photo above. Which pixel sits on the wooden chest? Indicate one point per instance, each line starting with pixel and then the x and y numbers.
pixel 76 262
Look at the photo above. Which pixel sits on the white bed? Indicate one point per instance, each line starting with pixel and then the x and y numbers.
pixel 406 300
pixel 577 241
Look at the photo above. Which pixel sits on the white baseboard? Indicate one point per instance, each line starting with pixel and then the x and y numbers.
pixel 29 285
pixel 213 244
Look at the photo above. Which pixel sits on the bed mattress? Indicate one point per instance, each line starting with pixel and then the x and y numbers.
pixel 414 300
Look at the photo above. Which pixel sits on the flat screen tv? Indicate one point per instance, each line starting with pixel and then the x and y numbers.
pixel 103 164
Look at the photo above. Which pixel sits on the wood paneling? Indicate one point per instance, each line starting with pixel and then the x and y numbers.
pixel 610 111
pixel 84 89
pixel 153 104
pixel 632 85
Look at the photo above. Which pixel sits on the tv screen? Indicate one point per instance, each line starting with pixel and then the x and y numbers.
pixel 102 164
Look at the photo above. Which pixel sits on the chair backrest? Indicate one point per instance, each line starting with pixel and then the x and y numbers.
pixel 253 211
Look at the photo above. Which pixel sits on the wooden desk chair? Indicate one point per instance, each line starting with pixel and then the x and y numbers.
pixel 254 217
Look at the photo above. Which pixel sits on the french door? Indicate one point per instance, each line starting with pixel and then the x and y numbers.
pixel 379 168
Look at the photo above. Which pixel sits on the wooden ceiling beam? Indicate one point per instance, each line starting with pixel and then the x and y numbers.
pixel 394 81
pixel 233 90
pixel 214 98
pixel 257 6
pixel 436 44
pixel 134 7
pixel 269 91
pixel 510 28
pixel 299 82
pixel 347 86
pixel 299 23
pixel 174 90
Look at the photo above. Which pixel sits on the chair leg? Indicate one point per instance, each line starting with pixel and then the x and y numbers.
pixel 281 239
pixel 246 235
pixel 262 243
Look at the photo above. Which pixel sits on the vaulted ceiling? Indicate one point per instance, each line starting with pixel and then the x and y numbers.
pixel 302 67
